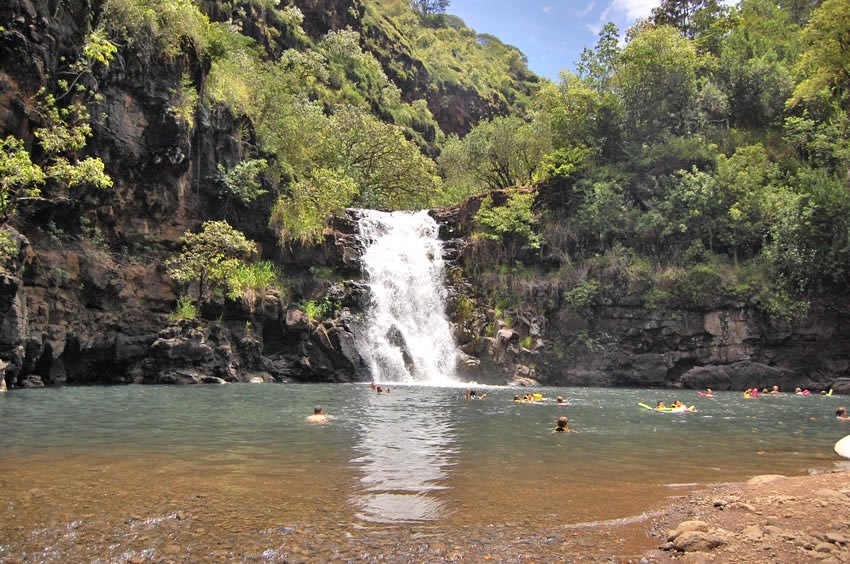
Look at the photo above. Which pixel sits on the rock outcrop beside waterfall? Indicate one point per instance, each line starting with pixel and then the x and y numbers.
pixel 626 343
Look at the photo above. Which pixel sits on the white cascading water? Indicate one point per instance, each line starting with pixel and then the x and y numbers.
pixel 407 336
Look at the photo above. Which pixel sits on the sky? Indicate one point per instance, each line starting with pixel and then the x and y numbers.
pixel 551 33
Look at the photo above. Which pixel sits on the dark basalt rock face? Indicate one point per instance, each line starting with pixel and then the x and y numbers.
pixel 87 299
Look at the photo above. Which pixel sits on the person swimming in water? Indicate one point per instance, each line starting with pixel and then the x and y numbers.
pixel 563 425
pixel 660 405
pixel 318 416
pixel 841 414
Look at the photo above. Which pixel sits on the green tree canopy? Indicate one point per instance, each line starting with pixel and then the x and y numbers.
pixel 657 81
pixel 210 256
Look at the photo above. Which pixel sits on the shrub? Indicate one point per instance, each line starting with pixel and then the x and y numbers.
pixel 8 247
pixel 511 223
pixel 316 311
pixel 249 282
pixel 656 298
pixel 242 181
pixel 186 309
pixel 582 297
pixel 210 257
pixel 464 308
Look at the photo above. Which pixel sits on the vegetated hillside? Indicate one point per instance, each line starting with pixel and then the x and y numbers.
pixel 691 219
pixel 161 148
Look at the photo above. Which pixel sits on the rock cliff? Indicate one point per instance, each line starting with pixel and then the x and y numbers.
pixel 728 346
pixel 86 299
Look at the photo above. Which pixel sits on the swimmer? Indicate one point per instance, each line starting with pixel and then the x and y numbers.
pixel 660 405
pixel 470 394
pixel 709 393
pixel 841 414
pixel 774 390
pixel 516 398
pixel 563 426
pixel 483 396
pixel 561 401
pixel 318 416
pixel 677 404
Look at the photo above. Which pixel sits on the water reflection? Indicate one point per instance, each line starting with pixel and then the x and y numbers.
pixel 405 450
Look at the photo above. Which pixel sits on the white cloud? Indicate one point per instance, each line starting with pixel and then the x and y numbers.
pixel 587 9
pixel 630 9
pixel 593 28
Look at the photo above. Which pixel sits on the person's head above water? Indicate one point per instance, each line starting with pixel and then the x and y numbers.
pixel 318 410
pixel 563 421
pixel 841 412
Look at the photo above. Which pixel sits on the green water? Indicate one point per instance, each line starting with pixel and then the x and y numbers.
pixel 242 457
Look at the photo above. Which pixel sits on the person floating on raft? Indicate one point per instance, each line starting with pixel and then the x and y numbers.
pixel 800 392
pixel 751 393
pixel 707 393
pixel 675 407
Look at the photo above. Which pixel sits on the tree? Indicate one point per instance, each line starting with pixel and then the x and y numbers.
pixel 498 153
pixel 596 66
pixel 426 7
pixel 690 16
pixel 388 170
pixel 299 214
pixel 756 64
pixel 511 223
pixel 580 115
pixel 824 61
pixel 210 257
pixel 19 176
pixel 657 81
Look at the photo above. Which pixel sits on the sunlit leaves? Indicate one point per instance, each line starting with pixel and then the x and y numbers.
pixel 513 221
pixel 18 174
pixel 210 257
pixel 300 215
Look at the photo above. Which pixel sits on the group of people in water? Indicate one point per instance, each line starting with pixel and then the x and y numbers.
pixel 774 391
pixel 562 425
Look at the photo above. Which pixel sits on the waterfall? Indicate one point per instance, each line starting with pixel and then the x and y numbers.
pixel 407 336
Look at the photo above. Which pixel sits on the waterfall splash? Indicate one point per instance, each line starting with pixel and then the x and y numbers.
pixel 407 337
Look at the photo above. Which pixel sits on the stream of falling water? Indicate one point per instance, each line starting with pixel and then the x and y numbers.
pixel 407 337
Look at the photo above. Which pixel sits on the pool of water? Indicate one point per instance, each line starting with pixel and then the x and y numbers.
pixel 235 472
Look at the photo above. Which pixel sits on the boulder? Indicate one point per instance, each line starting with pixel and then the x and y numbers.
pixel 297 321
pixel 697 541
pixel 687 527
pixel 213 380
pixel 30 381
pixel 180 376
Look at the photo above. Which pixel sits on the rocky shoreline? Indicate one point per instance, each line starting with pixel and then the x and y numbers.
pixel 769 518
